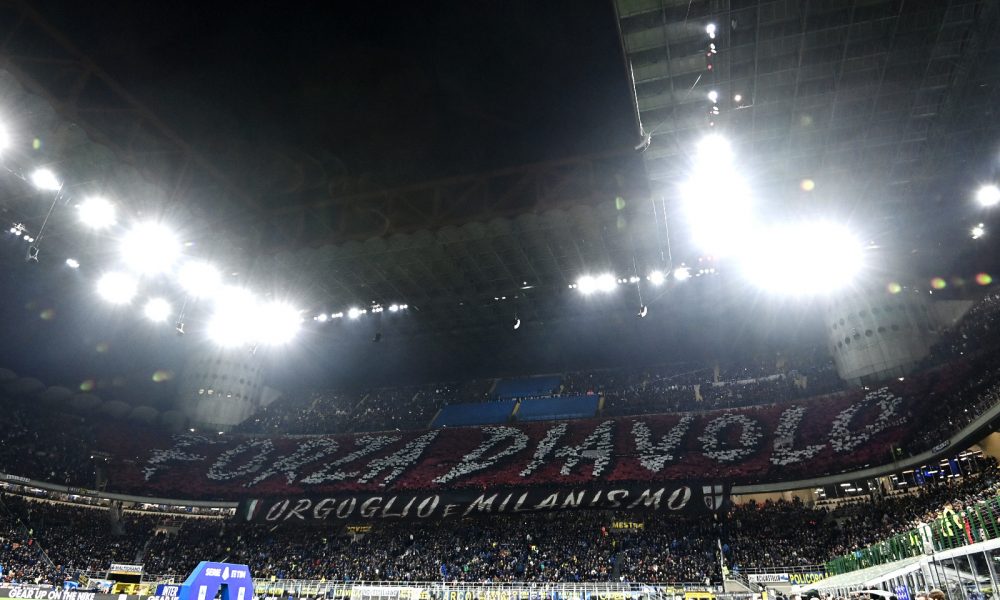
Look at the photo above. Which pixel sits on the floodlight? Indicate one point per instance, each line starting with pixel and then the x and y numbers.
pixel 656 278
pixel 277 323
pixel 713 96
pixel 589 284
pixel 150 248
pixel 682 273
pixel 988 195
pixel 718 209
pixel 710 30
pixel 978 231
pixel 804 259
pixel 44 179
pixel 713 148
pixel 117 288
pixel 96 212
pixel 354 313
pixel 72 263
pixel 393 307
pixel 199 279
pixel 235 312
pixel 157 310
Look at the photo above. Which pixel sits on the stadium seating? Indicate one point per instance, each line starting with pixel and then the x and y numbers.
pixel 527 387
pixel 566 547
pixel 488 413
pixel 552 409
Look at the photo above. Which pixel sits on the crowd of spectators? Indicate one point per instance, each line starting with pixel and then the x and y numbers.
pixel 564 547
pixel 976 330
pixel 336 411
pixel 666 388
pixel 20 559
pixel 52 446
pixel 83 538
pixel 627 391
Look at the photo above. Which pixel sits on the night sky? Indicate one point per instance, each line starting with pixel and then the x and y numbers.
pixel 356 96
pixel 374 93
pixel 301 101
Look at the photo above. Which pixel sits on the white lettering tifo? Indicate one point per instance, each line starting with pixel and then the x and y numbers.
pixel 515 439
pixel 597 448
pixel 460 503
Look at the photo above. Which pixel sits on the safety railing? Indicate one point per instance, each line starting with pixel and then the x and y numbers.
pixel 426 590
pixel 791 569
pixel 953 528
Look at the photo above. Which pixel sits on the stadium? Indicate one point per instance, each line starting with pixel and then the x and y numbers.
pixel 602 299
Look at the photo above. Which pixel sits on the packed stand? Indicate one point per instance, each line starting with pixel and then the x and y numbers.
pixel 50 446
pixel 975 332
pixel 580 546
pixel 332 411
pixel 321 411
pixel 86 539
pixel 20 558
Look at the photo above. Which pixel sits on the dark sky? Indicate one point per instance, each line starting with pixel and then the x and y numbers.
pixel 375 93
pixel 353 95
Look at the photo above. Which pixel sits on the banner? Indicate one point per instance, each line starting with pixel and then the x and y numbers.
pixel 777 442
pixel 627 525
pixel 793 578
pixel 806 578
pixel 123 568
pixel 47 593
pixel 462 503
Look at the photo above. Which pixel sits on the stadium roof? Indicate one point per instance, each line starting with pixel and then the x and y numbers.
pixel 885 106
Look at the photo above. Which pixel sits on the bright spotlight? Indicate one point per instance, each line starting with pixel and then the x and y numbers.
pixel 656 278
pixel 322 317
pixel 713 96
pixel 45 179
pixel 199 279
pixel 277 323
pixel 682 273
pixel 72 263
pixel 150 248
pixel 713 148
pixel 157 310
pixel 988 195
pixel 738 98
pixel 354 313
pixel 117 288
pixel 589 284
pixel 96 212
pixel 710 30
pixel 804 259
pixel 718 210
pixel 234 315
pixel 978 231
